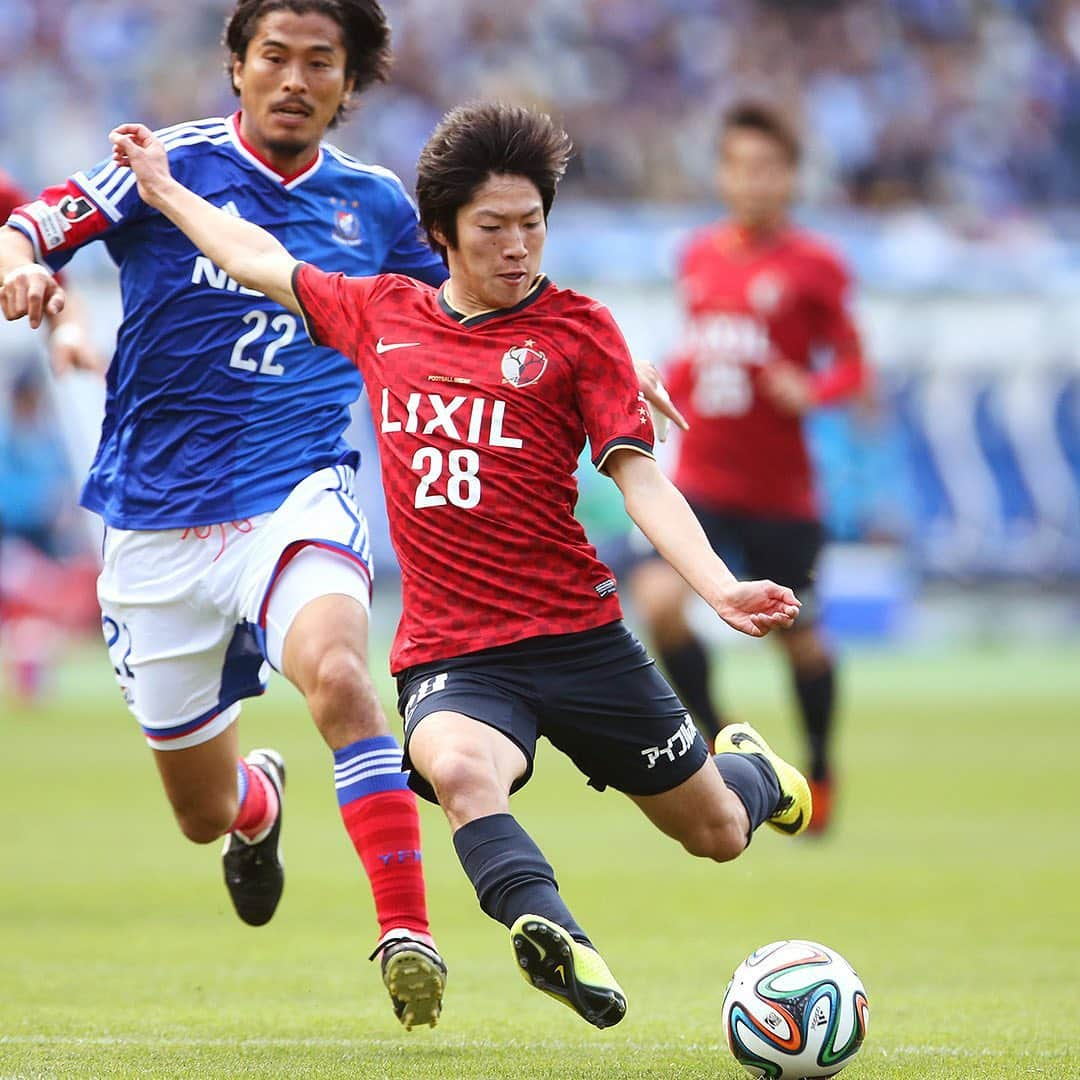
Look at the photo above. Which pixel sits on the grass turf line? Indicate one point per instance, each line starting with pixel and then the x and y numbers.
pixel 948 883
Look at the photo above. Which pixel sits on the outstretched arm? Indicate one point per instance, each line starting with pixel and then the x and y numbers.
pixel 664 516
pixel 244 251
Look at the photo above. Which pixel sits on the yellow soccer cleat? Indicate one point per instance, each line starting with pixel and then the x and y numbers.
pixel 796 807
pixel 575 974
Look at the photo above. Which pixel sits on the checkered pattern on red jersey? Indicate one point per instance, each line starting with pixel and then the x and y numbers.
pixel 481 421
pixel 749 304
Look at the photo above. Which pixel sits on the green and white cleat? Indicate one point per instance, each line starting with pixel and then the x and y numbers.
pixel 796 807
pixel 575 974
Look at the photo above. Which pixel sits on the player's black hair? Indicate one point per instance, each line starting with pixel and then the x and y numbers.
pixel 479 140
pixel 757 116
pixel 365 32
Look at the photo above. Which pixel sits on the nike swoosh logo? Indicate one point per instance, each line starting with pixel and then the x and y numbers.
pixel 791 827
pixel 382 346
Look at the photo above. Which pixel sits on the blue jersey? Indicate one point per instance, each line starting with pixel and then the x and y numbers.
pixel 217 404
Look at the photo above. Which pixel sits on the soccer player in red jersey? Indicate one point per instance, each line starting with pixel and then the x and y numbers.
pixel 763 300
pixel 70 347
pixel 484 393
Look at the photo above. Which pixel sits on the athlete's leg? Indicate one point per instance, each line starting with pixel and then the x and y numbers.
pixel 702 813
pixel 472 767
pixel 201 785
pixel 813 673
pixel 788 552
pixel 325 657
pixel 714 813
pixel 661 597
pixel 317 634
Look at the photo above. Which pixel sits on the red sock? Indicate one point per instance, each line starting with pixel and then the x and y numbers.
pixel 258 803
pixel 385 830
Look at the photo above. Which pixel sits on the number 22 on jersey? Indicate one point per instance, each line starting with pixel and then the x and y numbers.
pixel 282 331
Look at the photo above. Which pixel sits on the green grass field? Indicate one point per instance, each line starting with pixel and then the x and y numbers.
pixel 950 882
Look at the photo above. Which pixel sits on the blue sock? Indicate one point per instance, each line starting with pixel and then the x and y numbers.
pixel 368 766
pixel 752 778
pixel 510 874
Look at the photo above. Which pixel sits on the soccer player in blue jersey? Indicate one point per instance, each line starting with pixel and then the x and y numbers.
pixel 233 542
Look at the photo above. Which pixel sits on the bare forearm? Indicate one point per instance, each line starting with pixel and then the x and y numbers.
pixel 15 249
pixel 244 251
pixel 664 516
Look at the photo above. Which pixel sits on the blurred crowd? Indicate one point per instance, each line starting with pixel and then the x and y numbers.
pixel 960 103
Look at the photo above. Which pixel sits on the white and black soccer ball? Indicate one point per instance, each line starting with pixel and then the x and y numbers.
pixel 795 1010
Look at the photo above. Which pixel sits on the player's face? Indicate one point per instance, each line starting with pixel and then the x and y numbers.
pixel 500 241
pixel 291 82
pixel 755 178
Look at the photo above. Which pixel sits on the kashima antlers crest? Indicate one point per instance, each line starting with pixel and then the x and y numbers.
pixel 523 364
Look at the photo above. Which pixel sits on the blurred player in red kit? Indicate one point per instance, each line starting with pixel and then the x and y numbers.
pixel 485 392
pixel 41 596
pixel 764 303
pixel 69 343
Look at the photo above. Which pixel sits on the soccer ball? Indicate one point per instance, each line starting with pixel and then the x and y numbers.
pixel 795 1010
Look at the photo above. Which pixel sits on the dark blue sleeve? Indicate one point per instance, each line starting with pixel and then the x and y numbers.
pixel 408 253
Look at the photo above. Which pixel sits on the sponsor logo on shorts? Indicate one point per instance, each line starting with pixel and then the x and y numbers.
pixel 676 747
pixel 430 685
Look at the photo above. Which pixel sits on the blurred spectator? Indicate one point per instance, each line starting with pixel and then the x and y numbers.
pixel 46 582
pixel 952 102
pixel 35 481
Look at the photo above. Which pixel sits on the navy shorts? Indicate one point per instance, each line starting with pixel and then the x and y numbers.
pixel 783 550
pixel 595 695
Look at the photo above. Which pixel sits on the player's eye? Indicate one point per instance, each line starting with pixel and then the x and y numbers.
pixel 489 228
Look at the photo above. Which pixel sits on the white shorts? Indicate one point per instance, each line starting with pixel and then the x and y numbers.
pixel 184 610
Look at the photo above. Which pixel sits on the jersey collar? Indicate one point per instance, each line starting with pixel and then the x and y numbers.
pixel 538 287
pixel 741 240
pixel 247 151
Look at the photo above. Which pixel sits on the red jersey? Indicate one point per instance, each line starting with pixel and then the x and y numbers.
pixel 749 304
pixel 10 196
pixel 480 421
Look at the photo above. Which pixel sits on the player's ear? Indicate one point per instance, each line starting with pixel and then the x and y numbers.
pixel 237 73
pixel 439 236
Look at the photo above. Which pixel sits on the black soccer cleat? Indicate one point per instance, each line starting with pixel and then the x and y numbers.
pixel 254 875
pixel 565 969
pixel 415 975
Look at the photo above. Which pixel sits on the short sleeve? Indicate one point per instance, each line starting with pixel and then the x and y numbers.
pixel 609 398
pixel 333 306
pixel 64 218
pixel 408 254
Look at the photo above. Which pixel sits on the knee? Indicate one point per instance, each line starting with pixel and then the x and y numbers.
pixel 465 783
pixel 720 841
pixel 203 824
pixel 806 651
pixel 342 697
pixel 659 599
pixel 339 674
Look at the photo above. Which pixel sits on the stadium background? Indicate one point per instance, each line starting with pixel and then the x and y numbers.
pixel 943 160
